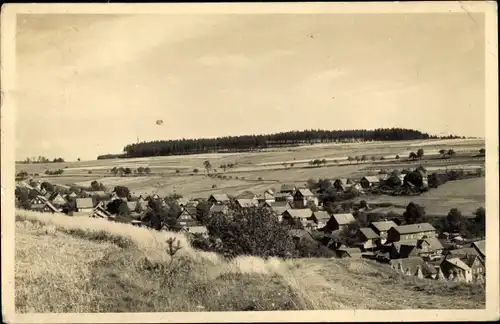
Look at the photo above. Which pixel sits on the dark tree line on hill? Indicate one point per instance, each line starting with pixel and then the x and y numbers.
pixel 255 142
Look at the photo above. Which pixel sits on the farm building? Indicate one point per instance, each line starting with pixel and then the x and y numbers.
pixel 100 211
pixel 41 204
pixel 304 196
pixel 291 215
pixel 367 238
pixel 339 221
pixel 430 247
pixel 219 199
pixel 281 196
pixel 188 217
pixel 480 247
pixel 456 268
pixel 321 218
pixel 278 204
pixel 57 200
pixel 369 181
pixel 411 232
pixel 402 249
pixel 247 203
pixel 84 205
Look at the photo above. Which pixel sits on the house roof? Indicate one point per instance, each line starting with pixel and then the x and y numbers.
pixel 344 219
pixel 383 226
pixel 434 243
pixel 350 250
pixel 458 263
pixel 276 204
pixel 182 201
pixel 246 195
pixel 322 215
pixel 52 207
pixel 247 202
pixel 414 228
pixel 305 192
pixel 368 233
pixel 480 246
pixel 220 197
pixel 84 203
pixel 279 210
pixel 299 213
pixel 371 179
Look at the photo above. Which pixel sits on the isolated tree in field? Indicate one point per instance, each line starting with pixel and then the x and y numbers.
pixel 397 157
pixel 382 158
pixel 78 159
pixel 363 158
pixel 207 166
pixel 223 167
pixel 147 170
pixel 140 170
pixel 420 153
pixel 127 171
pixel 373 159
pixel 412 156
pixel 324 162
pixel 357 159
pixel 196 170
pixel 291 165
pixel 451 153
pixel 114 170
pixel 482 151
pixel 349 158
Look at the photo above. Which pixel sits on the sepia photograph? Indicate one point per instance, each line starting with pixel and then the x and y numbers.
pixel 219 162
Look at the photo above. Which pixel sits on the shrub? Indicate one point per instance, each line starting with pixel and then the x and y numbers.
pixel 255 231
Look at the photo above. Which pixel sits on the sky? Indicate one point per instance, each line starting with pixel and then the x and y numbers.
pixel 91 84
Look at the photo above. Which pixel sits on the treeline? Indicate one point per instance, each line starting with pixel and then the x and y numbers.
pixel 256 142
pixel 41 159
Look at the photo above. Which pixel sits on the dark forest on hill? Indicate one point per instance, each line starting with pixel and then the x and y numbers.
pixel 246 143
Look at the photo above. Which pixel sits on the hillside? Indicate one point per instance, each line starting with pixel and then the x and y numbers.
pixel 66 264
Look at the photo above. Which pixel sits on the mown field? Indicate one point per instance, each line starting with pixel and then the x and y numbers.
pixel 259 171
pixel 65 264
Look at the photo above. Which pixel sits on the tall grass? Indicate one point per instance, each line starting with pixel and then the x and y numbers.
pixel 81 264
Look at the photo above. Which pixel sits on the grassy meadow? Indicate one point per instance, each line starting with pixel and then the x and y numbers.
pixel 80 264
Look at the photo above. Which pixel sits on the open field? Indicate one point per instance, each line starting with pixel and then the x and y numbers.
pixel 257 171
pixel 102 269
pixel 467 195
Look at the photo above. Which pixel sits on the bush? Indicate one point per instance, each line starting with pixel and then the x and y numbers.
pixel 255 231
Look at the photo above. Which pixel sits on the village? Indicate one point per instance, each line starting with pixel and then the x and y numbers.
pixel 349 227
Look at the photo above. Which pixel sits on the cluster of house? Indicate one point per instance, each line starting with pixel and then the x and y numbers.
pixel 413 249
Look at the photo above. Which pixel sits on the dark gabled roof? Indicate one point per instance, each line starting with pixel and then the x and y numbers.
pixel 247 202
pixel 383 226
pixel 191 211
pixel 458 263
pixel 434 243
pixel 414 228
pixel 368 233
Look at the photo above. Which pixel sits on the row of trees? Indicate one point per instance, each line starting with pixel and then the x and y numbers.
pixel 255 142
pixel 125 171
pixel 41 159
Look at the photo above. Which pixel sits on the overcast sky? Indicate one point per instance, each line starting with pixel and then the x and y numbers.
pixel 90 84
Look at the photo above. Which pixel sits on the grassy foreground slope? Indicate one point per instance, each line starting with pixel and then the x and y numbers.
pixel 66 264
